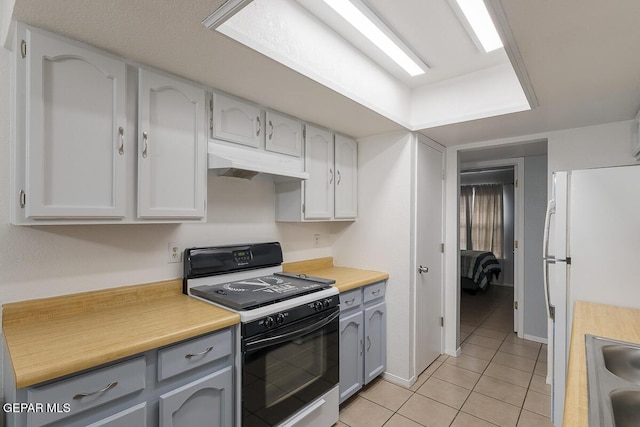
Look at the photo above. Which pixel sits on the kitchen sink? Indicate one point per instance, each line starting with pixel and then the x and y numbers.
pixel 626 407
pixel 613 374
pixel 623 361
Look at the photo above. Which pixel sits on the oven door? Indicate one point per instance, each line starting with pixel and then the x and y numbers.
pixel 287 368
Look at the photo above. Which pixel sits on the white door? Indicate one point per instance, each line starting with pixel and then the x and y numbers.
pixel 171 148
pixel 428 289
pixel 318 189
pixel 346 188
pixel 75 119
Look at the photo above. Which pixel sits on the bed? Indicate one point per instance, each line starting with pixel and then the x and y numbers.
pixel 478 269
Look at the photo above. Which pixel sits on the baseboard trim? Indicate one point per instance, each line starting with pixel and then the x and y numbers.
pixel 534 338
pixel 399 381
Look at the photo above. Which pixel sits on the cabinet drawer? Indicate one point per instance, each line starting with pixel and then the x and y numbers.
pixel 193 353
pixel 373 292
pixel 87 390
pixel 350 299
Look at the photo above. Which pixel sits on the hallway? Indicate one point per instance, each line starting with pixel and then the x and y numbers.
pixel 498 379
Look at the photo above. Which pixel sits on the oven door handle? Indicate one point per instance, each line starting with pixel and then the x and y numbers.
pixel 278 339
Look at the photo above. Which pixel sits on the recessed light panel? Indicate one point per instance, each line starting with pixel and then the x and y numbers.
pixel 478 17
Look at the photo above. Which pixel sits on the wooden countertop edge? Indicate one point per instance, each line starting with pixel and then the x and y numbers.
pixel 103 317
pixel 346 278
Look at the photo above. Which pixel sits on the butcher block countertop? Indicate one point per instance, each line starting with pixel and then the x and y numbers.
pixel 52 337
pixel 618 323
pixel 346 278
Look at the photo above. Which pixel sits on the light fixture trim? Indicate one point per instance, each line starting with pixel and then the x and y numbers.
pixel 365 21
pixel 224 12
pixel 482 27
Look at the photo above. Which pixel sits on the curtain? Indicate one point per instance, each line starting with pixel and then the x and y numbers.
pixel 481 218
pixel 466 204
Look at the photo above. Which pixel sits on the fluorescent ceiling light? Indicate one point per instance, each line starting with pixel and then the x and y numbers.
pixel 478 17
pixel 365 21
pixel 224 12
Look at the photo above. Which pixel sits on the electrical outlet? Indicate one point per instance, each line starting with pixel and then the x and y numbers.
pixel 316 240
pixel 175 252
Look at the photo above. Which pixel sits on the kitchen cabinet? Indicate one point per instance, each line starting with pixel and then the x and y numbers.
pixel 283 135
pixel 362 337
pixel 172 164
pixel 201 402
pixel 75 145
pixel 235 121
pixel 194 382
pixel 70 121
pixel 330 193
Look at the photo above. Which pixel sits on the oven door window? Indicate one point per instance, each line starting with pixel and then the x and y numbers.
pixel 288 368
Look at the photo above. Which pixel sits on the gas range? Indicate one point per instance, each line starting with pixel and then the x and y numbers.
pixel 288 337
pixel 249 279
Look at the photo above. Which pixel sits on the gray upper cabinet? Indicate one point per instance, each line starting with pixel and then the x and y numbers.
pixel 346 187
pixel 283 134
pixel 318 189
pixel 172 162
pixel 70 129
pixel 236 121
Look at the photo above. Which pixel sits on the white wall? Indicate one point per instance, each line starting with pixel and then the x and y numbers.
pixel 42 261
pixel 381 238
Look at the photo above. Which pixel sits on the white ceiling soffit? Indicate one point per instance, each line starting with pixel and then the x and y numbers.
pixel 461 84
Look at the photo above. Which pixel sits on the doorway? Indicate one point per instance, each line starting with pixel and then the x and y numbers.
pixel 504 288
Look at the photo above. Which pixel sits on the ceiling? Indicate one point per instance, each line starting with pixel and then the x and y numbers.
pixel 581 58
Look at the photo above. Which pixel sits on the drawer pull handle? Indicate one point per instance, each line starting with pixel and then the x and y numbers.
pixel 376 293
pixel 107 388
pixel 351 301
pixel 202 353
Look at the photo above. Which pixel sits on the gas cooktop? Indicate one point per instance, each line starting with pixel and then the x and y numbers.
pixel 258 291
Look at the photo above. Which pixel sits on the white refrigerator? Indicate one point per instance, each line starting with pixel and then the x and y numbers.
pixel 591 253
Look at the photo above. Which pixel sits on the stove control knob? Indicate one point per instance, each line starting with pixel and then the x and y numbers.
pixel 280 319
pixel 268 322
pixel 327 303
pixel 318 305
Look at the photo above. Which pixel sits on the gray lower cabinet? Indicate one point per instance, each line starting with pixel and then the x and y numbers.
pixel 190 383
pixel 362 337
pixel 200 403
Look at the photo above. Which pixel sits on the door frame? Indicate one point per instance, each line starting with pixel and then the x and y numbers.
pixel 421 139
pixel 518 232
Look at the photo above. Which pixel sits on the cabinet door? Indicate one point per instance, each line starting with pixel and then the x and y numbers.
pixel 75 118
pixel 283 134
pixel 236 121
pixel 135 416
pixel 318 189
pixel 204 402
pixel 346 188
pixel 172 169
pixel 375 321
pixel 351 354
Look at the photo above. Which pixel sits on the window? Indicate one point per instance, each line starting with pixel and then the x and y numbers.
pixel 482 218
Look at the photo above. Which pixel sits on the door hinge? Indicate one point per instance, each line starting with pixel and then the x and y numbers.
pixel 515 305
pixel 304 132
pixel 444 174
pixel 211 116
pixel 516 184
pixel 23 49
pixel 442 247
pixel 442 321
pixel 303 208
pixel 515 244
pixel 23 198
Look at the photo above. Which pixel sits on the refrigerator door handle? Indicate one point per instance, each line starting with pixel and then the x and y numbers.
pixel 551 209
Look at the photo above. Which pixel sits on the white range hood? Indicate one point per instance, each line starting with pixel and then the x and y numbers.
pixel 232 160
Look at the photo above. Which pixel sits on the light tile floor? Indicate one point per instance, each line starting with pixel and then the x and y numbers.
pixel 498 379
